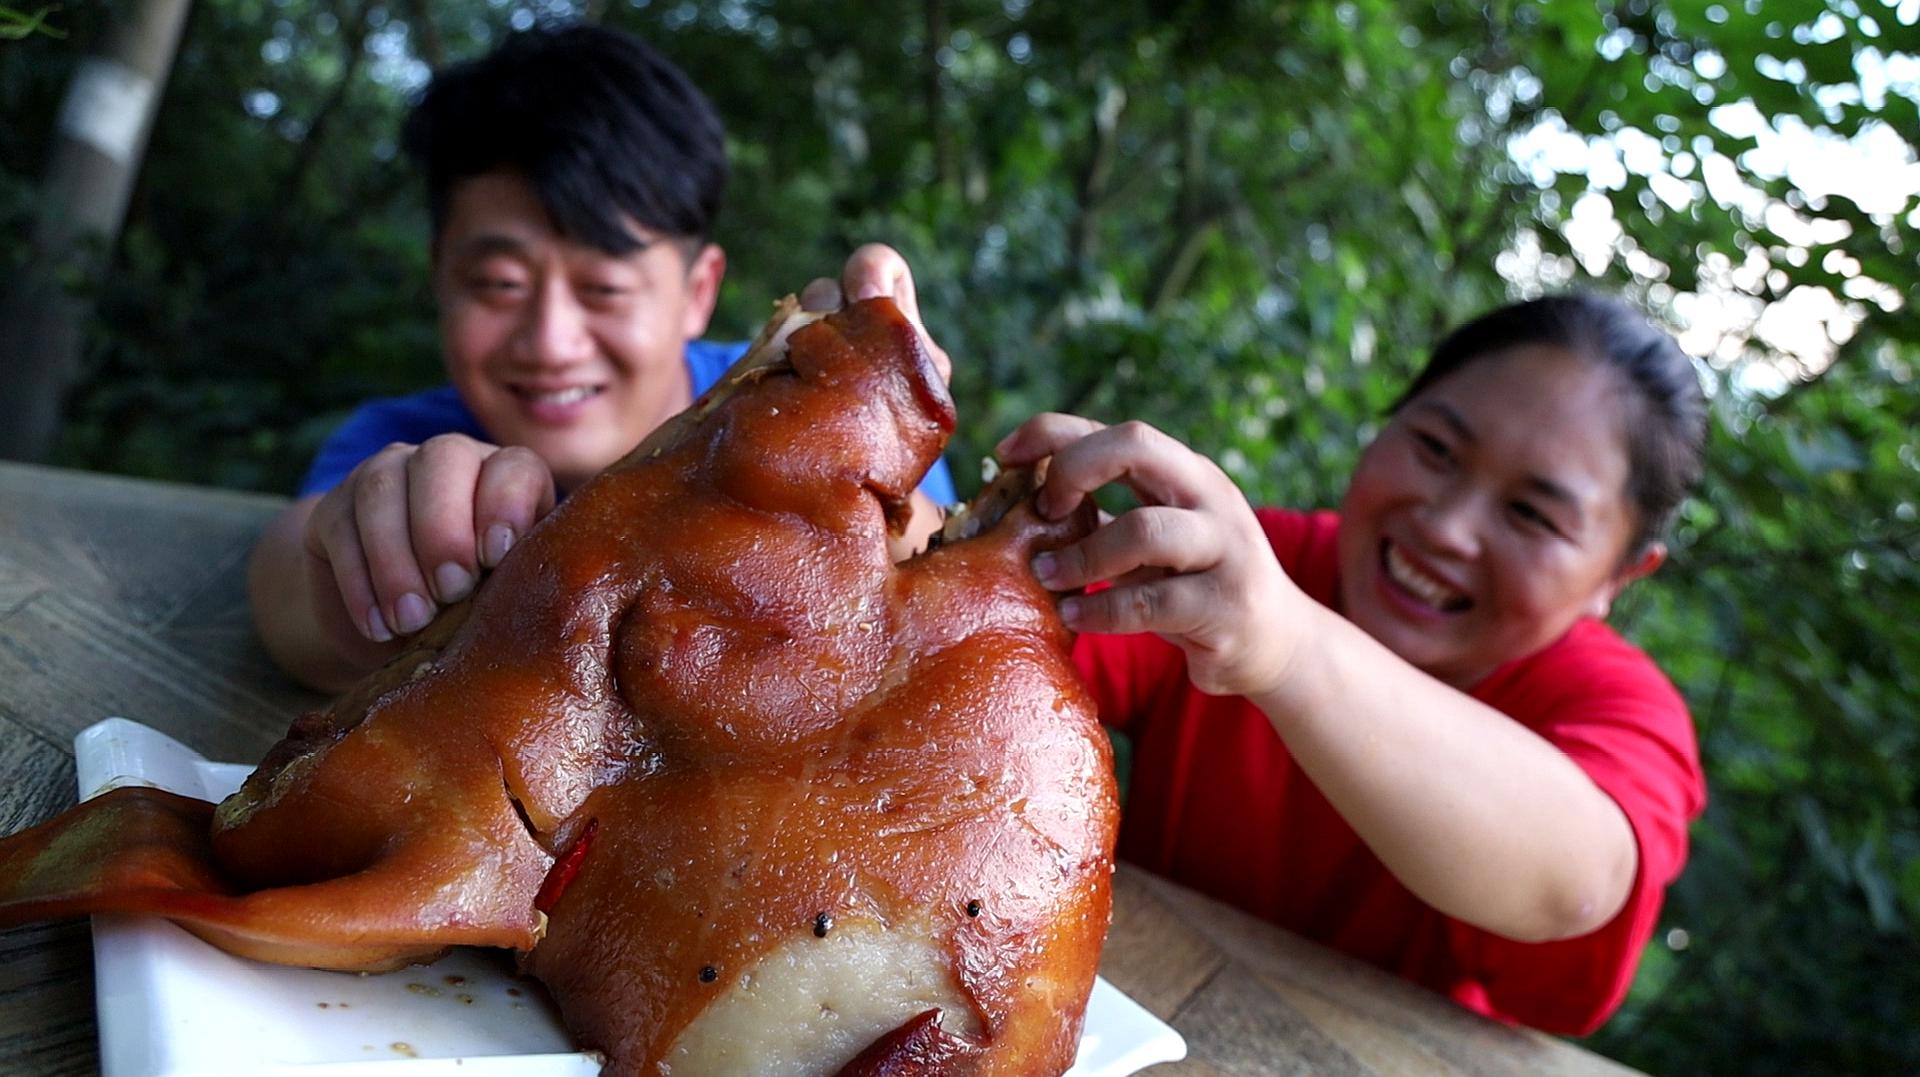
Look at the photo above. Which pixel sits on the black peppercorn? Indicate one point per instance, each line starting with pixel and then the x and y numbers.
pixel 822 924
pixel 708 974
pixel 973 908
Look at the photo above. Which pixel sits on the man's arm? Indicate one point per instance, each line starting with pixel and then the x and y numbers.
pixel 305 628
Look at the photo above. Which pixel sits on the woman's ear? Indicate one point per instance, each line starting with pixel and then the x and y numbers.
pixel 1650 558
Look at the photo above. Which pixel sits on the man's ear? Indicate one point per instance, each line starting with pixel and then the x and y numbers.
pixel 434 266
pixel 703 289
pixel 1642 566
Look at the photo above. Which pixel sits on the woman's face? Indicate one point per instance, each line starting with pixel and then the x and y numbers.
pixel 1491 513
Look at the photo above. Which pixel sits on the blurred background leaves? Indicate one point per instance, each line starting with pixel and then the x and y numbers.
pixel 1244 222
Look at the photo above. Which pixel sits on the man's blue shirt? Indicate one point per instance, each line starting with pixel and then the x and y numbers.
pixel 415 418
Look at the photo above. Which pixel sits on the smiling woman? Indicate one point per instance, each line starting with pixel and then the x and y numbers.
pixel 1404 729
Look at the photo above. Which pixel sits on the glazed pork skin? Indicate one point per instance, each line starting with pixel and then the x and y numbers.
pixel 748 797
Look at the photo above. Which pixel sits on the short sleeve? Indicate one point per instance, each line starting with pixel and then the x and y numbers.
pixel 378 423
pixel 708 362
pixel 1617 717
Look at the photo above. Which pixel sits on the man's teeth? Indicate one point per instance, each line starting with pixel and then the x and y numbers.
pixel 563 396
pixel 1429 590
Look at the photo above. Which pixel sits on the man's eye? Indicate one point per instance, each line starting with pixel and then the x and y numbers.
pixel 602 291
pixel 1432 447
pixel 494 285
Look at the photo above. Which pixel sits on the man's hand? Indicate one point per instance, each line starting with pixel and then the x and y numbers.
pixel 876 270
pixel 411 528
pixel 336 580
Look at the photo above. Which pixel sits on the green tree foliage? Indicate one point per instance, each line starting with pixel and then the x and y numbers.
pixel 15 25
pixel 1244 222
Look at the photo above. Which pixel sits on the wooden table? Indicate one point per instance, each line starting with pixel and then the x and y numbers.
pixel 124 597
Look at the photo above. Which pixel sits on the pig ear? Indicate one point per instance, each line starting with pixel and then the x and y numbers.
pixel 127 851
pixel 148 852
pixel 918 1048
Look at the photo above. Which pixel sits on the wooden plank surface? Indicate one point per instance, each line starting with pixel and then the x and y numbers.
pixel 119 596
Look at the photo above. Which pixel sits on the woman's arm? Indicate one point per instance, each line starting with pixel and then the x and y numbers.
pixel 1477 815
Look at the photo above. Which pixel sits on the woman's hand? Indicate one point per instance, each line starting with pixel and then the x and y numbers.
pixel 410 529
pixel 1191 563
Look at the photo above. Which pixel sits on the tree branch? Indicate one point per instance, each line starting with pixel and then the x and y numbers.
pixel 427 33
pixel 946 163
pixel 354 34
pixel 1092 193
pixel 1194 221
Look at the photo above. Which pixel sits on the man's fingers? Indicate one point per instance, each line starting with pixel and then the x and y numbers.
pixel 380 508
pixel 1151 537
pixel 822 294
pixel 515 490
pixel 441 476
pixel 876 269
pixel 333 539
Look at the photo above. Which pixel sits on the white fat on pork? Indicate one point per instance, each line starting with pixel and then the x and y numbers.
pixel 812 1004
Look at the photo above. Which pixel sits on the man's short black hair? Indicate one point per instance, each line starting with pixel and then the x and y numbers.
pixel 599 123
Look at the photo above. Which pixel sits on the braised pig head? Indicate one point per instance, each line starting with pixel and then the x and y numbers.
pixel 746 796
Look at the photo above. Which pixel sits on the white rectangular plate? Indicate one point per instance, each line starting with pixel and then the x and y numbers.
pixel 173 1006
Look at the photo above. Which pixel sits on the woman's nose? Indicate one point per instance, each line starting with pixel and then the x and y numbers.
pixel 553 329
pixel 1449 522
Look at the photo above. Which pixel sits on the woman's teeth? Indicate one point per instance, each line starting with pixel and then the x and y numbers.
pixel 1425 587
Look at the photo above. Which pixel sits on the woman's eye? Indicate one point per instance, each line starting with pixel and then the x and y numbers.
pixel 1432 447
pixel 1533 517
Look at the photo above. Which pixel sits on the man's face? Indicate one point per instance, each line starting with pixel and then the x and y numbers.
pixel 1490 514
pixel 572 352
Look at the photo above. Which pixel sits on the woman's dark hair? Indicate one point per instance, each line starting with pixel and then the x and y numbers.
pixel 1666 422
pixel 600 124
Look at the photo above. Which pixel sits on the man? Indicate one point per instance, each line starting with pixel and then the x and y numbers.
pixel 572 177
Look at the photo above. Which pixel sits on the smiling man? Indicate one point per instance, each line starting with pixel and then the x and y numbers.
pixel 573 177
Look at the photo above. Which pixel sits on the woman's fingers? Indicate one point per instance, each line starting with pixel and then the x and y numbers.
pixel 1042 436
pixel 1151 537
pixel 1172 606
pixel 515 491
pixel 1158 468
pixel 1087 455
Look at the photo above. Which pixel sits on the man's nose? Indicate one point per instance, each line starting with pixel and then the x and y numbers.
pixel 553 328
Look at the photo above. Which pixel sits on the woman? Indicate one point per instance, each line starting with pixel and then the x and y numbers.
pixel 1403 730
